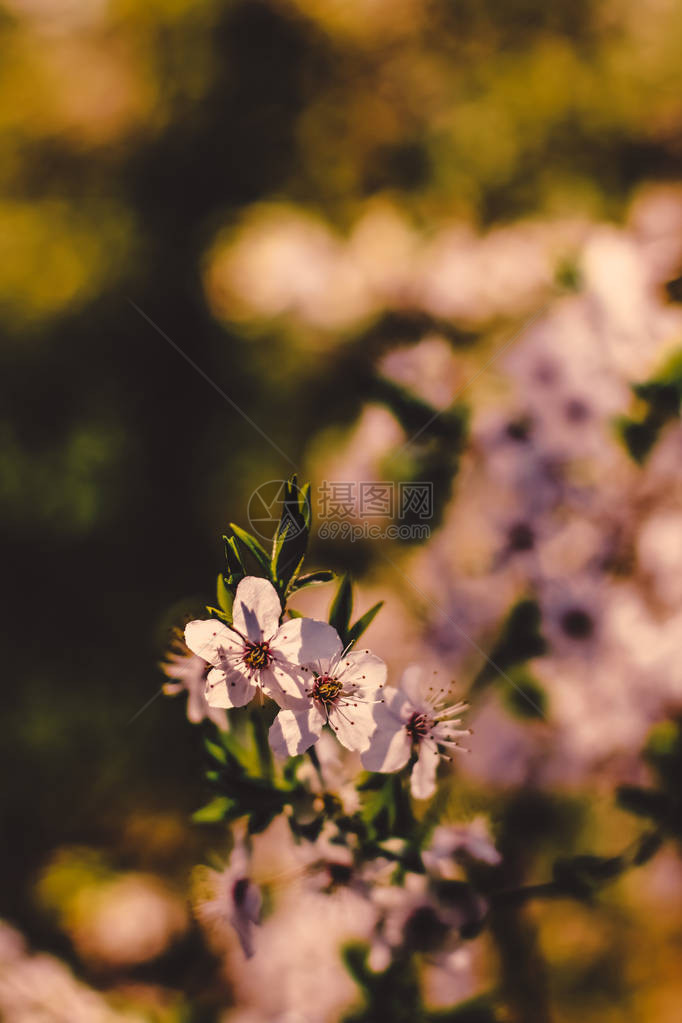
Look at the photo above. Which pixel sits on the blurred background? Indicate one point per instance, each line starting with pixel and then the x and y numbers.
pixel 416 240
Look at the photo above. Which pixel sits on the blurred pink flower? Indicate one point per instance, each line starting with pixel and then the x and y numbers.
pixel 188 672
pixel 450 843
pixel 230 897
pixel 129 919
pixel 298 973
pixel 41 989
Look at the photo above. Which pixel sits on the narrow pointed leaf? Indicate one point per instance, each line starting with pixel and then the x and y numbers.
pixel 216 612
pixel 252 545
pixel 364 622
pixel 342 606
pixel 224 596
pixel 323 576
pixel 291 539
pixel 214 811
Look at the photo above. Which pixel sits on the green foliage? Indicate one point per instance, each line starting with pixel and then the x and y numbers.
pixel 247 545
pixel 341 610
pixel 291 538
pixel 234 565
pixel 520 640
pixel 245 554
pixel 216 612
pixel 224 596
pixel 581 876
pixel 660 398
pixel 526 697
pixel 386 807
pixel 435 440
pixel 325 575
pixel 242 772
pixel 215 812
pixel 662 804
pixel 364 621
pixel 392 994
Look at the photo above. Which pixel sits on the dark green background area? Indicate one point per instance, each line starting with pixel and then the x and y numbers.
pixel 120 465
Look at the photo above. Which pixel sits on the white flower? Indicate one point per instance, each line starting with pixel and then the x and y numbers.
pixel 412 720
pixel 187 672
pixel 342 690
pixel 256 652
pixel 230 896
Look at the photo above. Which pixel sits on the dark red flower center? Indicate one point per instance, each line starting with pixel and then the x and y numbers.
pixel 257 655
pixel 418 726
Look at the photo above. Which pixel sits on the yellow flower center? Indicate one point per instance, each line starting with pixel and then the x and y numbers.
pixel 257 655
pixel 326 688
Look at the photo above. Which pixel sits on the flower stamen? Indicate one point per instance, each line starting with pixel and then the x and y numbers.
pixel 257 655
pixel 326 689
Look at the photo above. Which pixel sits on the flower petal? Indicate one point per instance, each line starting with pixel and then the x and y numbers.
pixel 292 733
pixel 390 744
pixel 285 684
pixel 211 640
pixel 256 609
pixel 246 908
pixel 412 685
pixel 423 781
pixel 353 724
pixel 306 641
pixel 365 669
pixel 231 688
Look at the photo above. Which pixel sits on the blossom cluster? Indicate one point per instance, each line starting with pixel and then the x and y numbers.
pixel 303 666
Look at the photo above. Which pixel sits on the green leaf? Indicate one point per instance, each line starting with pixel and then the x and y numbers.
pixel 364 622
pixel 526 698
pixel 215 751
pixel 252 545
pixel 214 811
pixel 224 596
pixel 520 640
pixel 342 605
pixel 233 561
pixel 391 994
pixel 386 807
pixel 661 396
pixel 325 575
pixel 215 612
pixel 291 539
pixel 638 438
